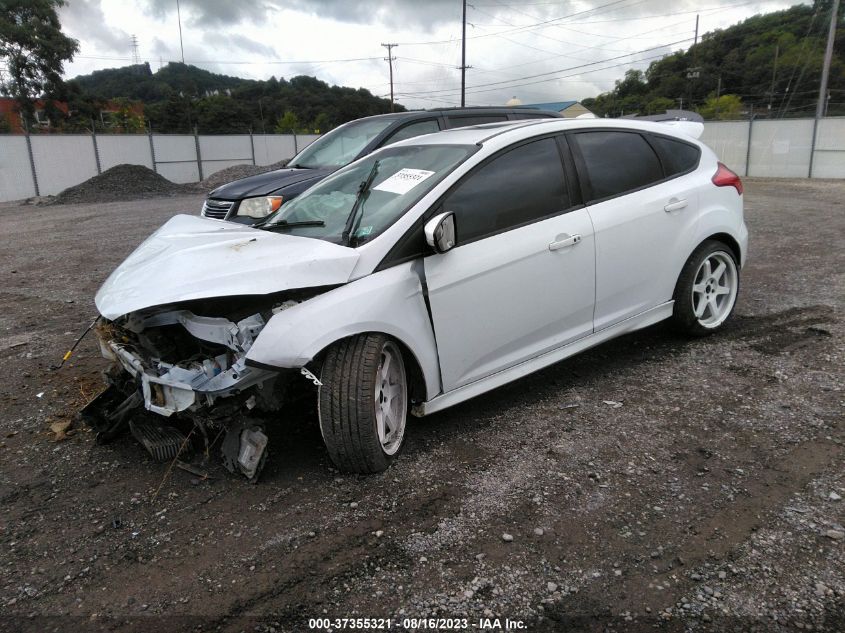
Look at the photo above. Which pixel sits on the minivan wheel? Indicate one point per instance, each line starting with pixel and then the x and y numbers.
pixel 363 402
pixel 706 292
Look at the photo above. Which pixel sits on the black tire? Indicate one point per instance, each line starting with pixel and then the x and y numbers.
pixel 684 318
pixel 346 403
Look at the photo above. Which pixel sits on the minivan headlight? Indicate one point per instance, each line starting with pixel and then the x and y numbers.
pixel 259 207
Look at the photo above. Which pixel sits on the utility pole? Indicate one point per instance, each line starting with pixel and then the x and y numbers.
pixel 821 107
pixel 179 19
pixel 696 31
pixel 464 56
pixel 774 73
pixel 389 59
pixel 135 58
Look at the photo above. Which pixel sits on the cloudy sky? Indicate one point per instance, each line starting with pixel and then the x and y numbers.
pixel 536 50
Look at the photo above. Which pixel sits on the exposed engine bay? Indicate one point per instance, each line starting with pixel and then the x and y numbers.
pixel 179 381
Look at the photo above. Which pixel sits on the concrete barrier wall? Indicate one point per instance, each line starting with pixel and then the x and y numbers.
pixel 46 164
pixel 780 148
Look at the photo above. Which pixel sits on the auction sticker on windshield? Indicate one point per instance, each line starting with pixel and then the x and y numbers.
pixel 403 180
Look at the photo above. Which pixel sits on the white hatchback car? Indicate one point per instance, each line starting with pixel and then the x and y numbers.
pixel 420 276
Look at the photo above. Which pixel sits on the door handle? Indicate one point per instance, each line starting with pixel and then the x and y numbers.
pixel 571 240
pixel 675 205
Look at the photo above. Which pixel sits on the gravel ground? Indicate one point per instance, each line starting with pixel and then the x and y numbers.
pixel 651 483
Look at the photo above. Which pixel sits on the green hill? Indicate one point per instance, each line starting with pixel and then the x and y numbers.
pixel 770 63
pixel 178 97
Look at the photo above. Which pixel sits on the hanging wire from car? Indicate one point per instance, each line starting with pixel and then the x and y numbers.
pixel 69 353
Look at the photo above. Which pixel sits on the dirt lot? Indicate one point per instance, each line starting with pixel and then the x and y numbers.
pixel 709 500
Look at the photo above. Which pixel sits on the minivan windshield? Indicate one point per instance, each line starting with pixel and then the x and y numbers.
pixel 398 177
pixel 340 146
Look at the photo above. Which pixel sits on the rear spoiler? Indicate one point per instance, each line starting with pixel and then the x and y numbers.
pixel 685 121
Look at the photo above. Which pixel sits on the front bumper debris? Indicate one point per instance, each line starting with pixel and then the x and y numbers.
pixel 169 389
pixel 176 408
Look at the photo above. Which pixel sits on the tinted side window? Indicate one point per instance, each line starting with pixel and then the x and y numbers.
pixel 414 129
pixel 618 162
pixel 678 157
pixel 464 121
pixel 516 188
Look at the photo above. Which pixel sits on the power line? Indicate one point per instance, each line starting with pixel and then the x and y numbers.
pixel 562 77
pixel 552 72
pixel 230 61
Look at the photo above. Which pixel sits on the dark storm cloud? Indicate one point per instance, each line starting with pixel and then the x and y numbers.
pixel 87 18
pixel 221 41
pixel 392 13
pixel 216 12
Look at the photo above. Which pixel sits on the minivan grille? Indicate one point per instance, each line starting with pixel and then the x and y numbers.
pixel 217 209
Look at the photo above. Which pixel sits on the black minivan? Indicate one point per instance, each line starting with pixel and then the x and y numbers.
pixel 250 200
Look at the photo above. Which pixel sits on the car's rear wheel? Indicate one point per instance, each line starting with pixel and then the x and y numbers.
pixel 707 289
pixel 363 402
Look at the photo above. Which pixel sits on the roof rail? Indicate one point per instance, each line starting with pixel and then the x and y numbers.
pixel 669 115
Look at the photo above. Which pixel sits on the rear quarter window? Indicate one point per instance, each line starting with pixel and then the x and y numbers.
pixel 617 162
pixel 677 157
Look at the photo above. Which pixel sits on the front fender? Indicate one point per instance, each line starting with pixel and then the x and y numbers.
pixel 390 301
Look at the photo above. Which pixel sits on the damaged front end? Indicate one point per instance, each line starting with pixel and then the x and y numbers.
pixel 180 381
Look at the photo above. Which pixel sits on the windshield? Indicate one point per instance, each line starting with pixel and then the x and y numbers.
pixel 403 175
pixel 340 146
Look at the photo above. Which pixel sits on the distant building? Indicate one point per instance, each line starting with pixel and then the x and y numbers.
pixel 112 114
pixel 569 109
pixel 10 112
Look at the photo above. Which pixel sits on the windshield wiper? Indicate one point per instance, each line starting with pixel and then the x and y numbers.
pixel 284 224
pixel 363 192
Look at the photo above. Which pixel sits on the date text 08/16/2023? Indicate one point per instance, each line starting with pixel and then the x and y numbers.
pixel 416 624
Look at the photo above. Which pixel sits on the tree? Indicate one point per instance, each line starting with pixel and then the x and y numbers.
pixel 288 123
pixel 723 108
pixel 659 105
pixel 321 124
pixel 34 49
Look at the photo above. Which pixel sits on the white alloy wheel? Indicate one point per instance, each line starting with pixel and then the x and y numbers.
pixel 391 400
pixel 714 289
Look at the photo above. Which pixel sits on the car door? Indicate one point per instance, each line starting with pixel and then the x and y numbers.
pixel 520 280
pixel 643 221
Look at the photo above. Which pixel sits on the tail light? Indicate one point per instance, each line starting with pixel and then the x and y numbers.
pixel 724 177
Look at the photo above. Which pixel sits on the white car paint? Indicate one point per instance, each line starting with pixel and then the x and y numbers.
pixel 390 301
pixel 196 258
pixel 501 307
pixel 502 300
pixel 641 247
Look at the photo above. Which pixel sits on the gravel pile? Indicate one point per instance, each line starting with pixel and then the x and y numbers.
pixel 235 172
pixel 121 182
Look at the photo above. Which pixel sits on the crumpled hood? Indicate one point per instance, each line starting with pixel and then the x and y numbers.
pixel 268 182
pixel 198 258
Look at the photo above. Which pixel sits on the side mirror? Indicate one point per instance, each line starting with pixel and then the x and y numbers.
pixel 440 232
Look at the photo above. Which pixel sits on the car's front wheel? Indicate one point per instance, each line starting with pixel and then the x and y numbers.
pixel 363 402
pixel 707 289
